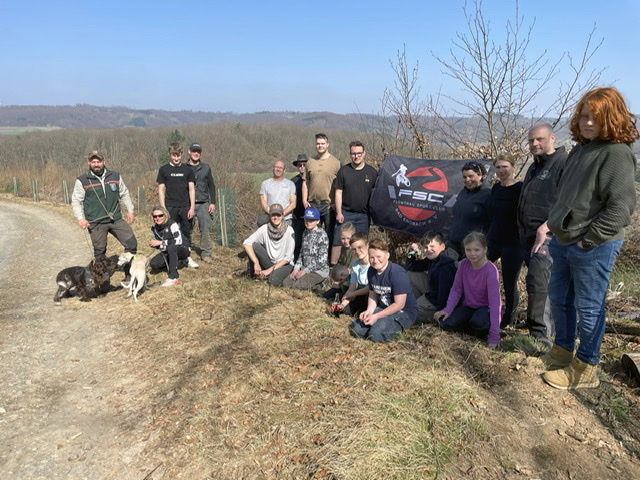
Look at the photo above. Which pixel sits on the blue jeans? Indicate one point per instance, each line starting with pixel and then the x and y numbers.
pixel 578 291
pixel 360 220
pixel 383 330
pixel 475 321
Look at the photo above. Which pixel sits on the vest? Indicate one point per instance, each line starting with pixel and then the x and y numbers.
pixel 101 206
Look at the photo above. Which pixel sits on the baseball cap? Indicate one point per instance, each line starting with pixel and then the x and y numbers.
pixel 276 208
pixel 95 154
pixel 302 158
pixel 311 213
pixel 195 147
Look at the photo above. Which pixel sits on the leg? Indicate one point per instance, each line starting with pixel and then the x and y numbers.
pixel 205 221
pixel 98 233
pixel 158 262
pixel 124 234
pixel 419 283
pixel 539 266
pixel 279 274
pixel 561 297
pixel 388 328
pixel 457 321
pixel 298 229
pixel 591 271
pixel 511 265
pixel 425 310
pixel 308 281
pixel 263 256
pixel 359 329
pixel 480 322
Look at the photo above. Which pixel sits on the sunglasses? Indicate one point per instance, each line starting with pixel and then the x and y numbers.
pixel 475 166
pixel 158 216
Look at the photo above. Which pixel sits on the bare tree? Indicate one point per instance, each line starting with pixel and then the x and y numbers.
pixel 505 88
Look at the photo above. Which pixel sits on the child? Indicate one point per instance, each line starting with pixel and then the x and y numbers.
pixel 340 271
pixel 438 270
pixel 312 267
pixel 477 282
pixel 391 306
pixel 355 298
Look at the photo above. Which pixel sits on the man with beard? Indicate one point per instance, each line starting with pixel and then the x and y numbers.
pixel 96 204
pixel 205 199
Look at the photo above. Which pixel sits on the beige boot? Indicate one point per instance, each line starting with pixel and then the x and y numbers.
pixel 557 358
pixel 577 375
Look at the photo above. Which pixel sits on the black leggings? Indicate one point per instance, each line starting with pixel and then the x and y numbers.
pixel 173 257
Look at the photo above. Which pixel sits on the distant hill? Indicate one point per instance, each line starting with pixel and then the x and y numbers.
pixel 91 116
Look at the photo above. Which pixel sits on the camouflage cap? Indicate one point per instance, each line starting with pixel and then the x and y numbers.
pixel 95 154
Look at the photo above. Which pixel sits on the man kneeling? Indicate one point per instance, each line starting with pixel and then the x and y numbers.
pixel 270 248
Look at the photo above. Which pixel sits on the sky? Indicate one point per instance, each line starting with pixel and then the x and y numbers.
pixel 250 56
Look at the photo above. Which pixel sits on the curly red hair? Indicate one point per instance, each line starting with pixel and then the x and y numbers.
pixel 617 123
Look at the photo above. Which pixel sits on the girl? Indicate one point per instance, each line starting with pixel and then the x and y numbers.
pixel 391 306
pixel 312 266
pixel 167 238
pixel 596 197
pixel 477 282
pixel 502 236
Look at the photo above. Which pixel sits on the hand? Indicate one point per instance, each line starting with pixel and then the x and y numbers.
pixel 191 213
pixel 339 218
pixel 344 302
pixel 440 315
pixel 306 204
pixel 211 209
pixel 492 346
pixel 371 319
pixel 414 247
pixel 83 223
pixel 155 242
pixel 130 218
pixel 256 269
pixel 266 272
pixel 541 237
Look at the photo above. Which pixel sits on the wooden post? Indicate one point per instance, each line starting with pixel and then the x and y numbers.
pixel 36 192
pixel 16 187
pixel 65 192
pixel 225 217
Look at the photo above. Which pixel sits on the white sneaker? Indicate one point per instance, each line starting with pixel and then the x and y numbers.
pixel 192 263
pixel 170 282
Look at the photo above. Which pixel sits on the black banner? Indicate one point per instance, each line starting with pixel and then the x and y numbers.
pixel 414 195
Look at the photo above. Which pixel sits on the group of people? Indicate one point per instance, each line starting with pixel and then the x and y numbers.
pixel 564 221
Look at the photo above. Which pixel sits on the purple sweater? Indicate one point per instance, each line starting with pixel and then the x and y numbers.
pixel 480 288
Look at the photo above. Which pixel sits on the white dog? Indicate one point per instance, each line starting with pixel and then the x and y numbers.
pixel 138 272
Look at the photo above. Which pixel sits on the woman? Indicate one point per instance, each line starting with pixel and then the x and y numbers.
pixel 596 197
pixel 391 307
pixel 312 266
pixel 470 210
pixel 502 236
pixel 167 238
pixel 270 248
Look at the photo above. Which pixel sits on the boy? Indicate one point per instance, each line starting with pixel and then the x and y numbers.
pixel 355 298
pixel 438 270
pixel 340 271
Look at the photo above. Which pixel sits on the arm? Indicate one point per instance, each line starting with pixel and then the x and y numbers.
pixel 212 193
pixel 338 200
pixel 257 268
pixel 398 304
pixel 162 190
pixel 263 203
pixel 305 194
pixel 372 302
pixel 292 204
pixel 125 196
pixel 192 200
pixel 541 236
pixel 455 294
pixel 77 204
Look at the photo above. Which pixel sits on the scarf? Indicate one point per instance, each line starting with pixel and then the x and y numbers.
pixel 276 233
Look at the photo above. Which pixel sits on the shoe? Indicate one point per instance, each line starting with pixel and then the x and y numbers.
pixel 170 282
pixel 557 358
pixel 208 260
pixel 192 263
pixel 577 375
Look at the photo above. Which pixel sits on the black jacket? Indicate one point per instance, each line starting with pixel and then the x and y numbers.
pixel 539 191
pixel 440 275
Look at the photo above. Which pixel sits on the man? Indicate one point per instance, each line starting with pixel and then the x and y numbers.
pixel 96 205
pixel 298 222
pixel 353 187
pixel 539 191
pixel 317 190
pixel 205 199
pixel 177 193
pixel 277 189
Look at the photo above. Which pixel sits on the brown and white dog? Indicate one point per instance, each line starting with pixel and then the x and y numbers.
pixel 138 275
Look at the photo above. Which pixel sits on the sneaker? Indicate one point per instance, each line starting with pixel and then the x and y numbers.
pixel 170 282
pixel 207 260
pixel 191 263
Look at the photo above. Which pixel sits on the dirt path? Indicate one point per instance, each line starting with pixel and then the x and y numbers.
pixel 64 388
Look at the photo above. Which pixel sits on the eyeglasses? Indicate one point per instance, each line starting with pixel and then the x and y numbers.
pixel 356 154
pixel 276 214
pixel 158 216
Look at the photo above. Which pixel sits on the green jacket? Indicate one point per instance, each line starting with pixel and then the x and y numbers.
pixel 101 201
pixel 596 195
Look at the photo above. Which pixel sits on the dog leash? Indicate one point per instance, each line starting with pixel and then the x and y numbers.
pixel 88 241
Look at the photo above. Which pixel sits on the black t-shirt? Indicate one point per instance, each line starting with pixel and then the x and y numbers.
pixel 356 186
pixel 176 181
pixel 502 206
